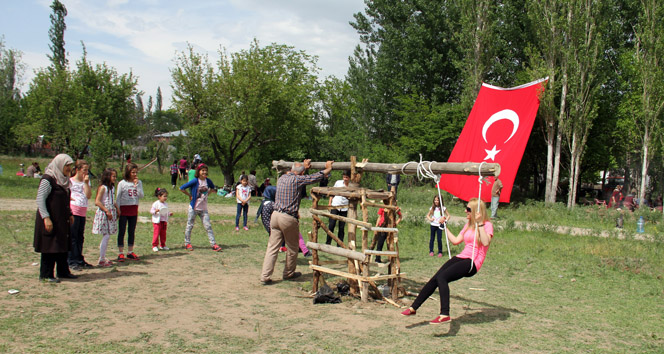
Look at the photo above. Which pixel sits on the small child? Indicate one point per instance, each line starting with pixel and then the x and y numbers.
pixel 437 215
pixel 382 221
pixel 160 216
pixel 130 190
pixel 106 216
pixel 242 196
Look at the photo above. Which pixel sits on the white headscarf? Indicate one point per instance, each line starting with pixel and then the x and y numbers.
pixel 55 168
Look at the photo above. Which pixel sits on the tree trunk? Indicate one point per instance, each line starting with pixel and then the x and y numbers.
pixel 559 140
pixel 572 172
pixel 551 130
pixel 644 166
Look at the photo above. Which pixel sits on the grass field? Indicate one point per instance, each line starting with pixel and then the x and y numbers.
pixel 538 291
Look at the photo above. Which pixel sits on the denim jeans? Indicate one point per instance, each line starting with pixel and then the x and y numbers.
pixel 244 209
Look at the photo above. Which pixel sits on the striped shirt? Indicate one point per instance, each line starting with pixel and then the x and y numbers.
pixel 286 200
pixel 42 193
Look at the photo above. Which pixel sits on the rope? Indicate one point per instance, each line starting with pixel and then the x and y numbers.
pixel 477 230
pixel 424 171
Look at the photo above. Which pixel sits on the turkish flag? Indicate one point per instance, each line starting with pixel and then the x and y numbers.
pixel 496 131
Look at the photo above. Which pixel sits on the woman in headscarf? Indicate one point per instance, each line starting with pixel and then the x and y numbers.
pixel 53 219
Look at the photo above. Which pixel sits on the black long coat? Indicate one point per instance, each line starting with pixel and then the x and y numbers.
pixel 57 204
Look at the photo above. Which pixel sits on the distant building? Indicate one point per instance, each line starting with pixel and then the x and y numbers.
pixel 166 137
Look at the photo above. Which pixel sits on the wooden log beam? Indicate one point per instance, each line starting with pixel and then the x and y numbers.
pixel 378 205
pixel 381 253
pixel 353 276
pixel 454 168
pixel 383 229
pixel 347 220
pixel 338 251
pixel 351 193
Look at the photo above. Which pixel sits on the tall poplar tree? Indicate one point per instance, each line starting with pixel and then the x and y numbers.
pixel 56 34
pixel 648 54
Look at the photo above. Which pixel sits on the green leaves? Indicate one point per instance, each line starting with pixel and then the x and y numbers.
pixel 260 98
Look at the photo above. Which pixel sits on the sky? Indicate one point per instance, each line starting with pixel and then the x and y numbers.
pixel 144 36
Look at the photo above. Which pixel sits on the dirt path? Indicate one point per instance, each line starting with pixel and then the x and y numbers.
pixel 7 204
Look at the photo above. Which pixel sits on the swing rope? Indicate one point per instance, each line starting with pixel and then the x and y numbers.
pixel 477 230
pixel 424 171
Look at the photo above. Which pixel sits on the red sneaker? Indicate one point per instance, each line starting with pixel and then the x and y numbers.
pixel 408 312
pixel 121 257
pixel 133 256
pixel 216 248
pixel 189 247
pixel 283 249
pixel 440 319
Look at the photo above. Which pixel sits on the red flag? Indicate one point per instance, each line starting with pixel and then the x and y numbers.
pixel 496 131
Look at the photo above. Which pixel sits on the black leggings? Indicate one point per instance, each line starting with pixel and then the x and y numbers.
pixel 77 238
pixel 454 269
pixel 333 224
pixel 122 226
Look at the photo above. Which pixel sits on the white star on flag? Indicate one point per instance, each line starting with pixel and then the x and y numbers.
pixel 491 154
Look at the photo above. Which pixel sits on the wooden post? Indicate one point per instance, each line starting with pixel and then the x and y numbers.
pixel 365 284
pixel 314 254
pixel 365 235
pixel 390 245
pixel 352 214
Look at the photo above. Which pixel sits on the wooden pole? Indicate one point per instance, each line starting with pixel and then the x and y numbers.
pixel 313 236
pixel 390 246
pixel 365 235
pixel 348 220
pixel 328 232
pixel 352 219
pixel 337 251
pixel 453 168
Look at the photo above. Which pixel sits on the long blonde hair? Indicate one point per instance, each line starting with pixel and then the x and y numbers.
pixel 472 204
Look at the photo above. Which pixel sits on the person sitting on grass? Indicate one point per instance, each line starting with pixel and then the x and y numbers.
pixel 465 264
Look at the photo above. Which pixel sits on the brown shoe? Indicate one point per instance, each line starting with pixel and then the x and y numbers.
pixel 295 275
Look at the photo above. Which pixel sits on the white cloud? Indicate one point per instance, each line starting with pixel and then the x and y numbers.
pixel 145 35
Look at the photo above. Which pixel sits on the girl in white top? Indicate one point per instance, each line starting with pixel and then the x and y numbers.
pixel 437 215
pixel 106 216
pixel 130 190
pixel 242 196
pixel 160 216
pixel 80 193
pixel 339 201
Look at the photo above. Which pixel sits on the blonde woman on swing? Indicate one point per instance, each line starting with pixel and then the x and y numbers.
pixel 477 235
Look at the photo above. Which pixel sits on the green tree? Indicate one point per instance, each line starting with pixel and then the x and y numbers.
pixel 649 49
pixel 252 99
pixel 586 29
pixel 71 108
pixel 56 34
pixel 339 133
pixel 11 69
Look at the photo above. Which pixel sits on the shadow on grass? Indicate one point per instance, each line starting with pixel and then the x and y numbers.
pixel 488 313
pixel 89 277
pixel 155 256
pixel 484 315
pixel 229 247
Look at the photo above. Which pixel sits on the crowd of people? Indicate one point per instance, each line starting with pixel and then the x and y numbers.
pixel 65 188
